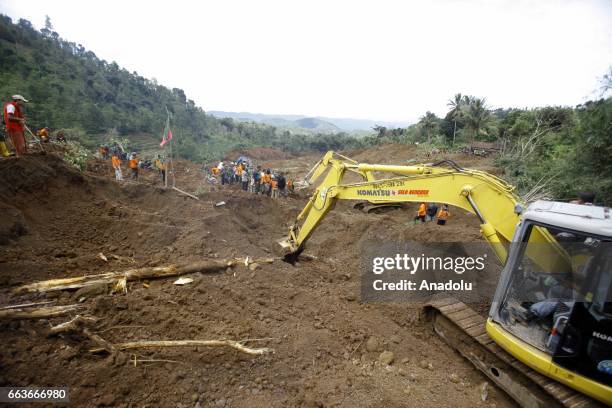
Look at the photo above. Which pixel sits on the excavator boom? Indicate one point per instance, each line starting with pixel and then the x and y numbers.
pixel 488 197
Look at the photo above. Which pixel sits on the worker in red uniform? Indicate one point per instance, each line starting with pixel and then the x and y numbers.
pixel 14 121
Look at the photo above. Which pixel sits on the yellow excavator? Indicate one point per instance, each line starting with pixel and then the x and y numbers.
pixel 548 338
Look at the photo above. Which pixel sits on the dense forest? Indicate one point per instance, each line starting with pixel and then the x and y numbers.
pixel 552 152
pixel 69 87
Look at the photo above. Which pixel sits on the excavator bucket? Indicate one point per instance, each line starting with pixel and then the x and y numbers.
pixel 290 253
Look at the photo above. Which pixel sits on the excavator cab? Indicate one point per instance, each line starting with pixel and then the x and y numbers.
pixel 561 314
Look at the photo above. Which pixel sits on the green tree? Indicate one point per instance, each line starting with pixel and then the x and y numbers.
pixel 429 123
pixel 455 113
pixel 477 116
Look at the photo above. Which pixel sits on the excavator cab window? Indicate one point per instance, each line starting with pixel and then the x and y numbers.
pixel 539 302
pixel 566 314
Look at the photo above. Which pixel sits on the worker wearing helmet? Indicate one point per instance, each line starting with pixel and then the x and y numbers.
pixel 14 121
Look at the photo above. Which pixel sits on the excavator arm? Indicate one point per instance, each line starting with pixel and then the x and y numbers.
pixel 491 199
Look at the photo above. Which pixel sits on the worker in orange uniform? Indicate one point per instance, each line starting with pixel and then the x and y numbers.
pixel 238 172
pixel 14 121
pixel 4 152
pixel 116 162
pixel 443 215
pixel 274 187
pixel 133 163
pixel 265 182
pixel 43 134
pixel 161 168
pixel 421 213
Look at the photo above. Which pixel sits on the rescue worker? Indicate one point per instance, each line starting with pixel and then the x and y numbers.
pixel 265 182
pixel 4 152
pixel 239 170
pixel 274 187
pixel 290 186
pixel 117 166
pixel 257 180
pixel 133 163
pixel 282 184
pixel 443 215
pixel 244 176
pixel 161 168
pixel 43 134
pixel 432 210
pixel 61 137
pixel 14 121
pixel 421 212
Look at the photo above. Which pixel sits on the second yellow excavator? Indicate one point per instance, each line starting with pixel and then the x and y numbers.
pixel 549 329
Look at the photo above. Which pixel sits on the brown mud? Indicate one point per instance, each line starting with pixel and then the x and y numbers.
pixel 327 343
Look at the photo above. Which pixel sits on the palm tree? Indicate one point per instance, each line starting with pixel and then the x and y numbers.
pixel 477 116
pixel 455 113
pixel 428 122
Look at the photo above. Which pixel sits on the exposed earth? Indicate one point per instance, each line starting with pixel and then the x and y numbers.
pixel 331 349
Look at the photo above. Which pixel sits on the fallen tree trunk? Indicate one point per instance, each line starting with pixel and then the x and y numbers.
pixel 188 343
pixel 129 275
pixel 37 313
pixel 21 306
pixel 184 192
pixel 72 325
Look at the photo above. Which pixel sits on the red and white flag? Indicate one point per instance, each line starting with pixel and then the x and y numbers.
pixel 166 139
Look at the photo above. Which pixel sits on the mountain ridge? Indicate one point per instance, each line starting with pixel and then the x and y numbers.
pixel 343 124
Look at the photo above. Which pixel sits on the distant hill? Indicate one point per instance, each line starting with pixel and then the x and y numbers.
pixel 339 124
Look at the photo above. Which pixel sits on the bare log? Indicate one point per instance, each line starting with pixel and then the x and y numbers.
pixel 37 313
pixel 104 345
pixel 21 306
pixel 73 325
pixel 184 192
pixel 113 278
pixel 189 343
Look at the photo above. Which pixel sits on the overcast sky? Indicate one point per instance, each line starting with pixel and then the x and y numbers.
pixel 385 60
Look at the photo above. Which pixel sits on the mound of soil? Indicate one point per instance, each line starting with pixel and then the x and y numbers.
pixel 327 344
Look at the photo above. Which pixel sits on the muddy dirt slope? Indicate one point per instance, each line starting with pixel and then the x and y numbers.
pixel 330 349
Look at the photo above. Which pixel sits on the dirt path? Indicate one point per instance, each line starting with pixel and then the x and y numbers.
pixel 327 343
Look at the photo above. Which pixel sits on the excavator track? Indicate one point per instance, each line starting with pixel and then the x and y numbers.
pixel 377 208
pixel 464 330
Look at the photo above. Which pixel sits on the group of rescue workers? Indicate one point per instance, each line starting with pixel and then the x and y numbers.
pixel 253 179
pixel 431 212
pixel 117 156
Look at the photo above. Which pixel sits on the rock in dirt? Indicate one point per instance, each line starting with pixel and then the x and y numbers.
pixel 373 344
pixel 484 391
pixel 425 365
pixel 454 378
pixel 386 357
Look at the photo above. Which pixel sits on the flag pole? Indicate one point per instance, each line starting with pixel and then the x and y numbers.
pixel 169 164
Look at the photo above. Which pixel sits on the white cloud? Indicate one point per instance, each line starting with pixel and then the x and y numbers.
pixel 384 60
